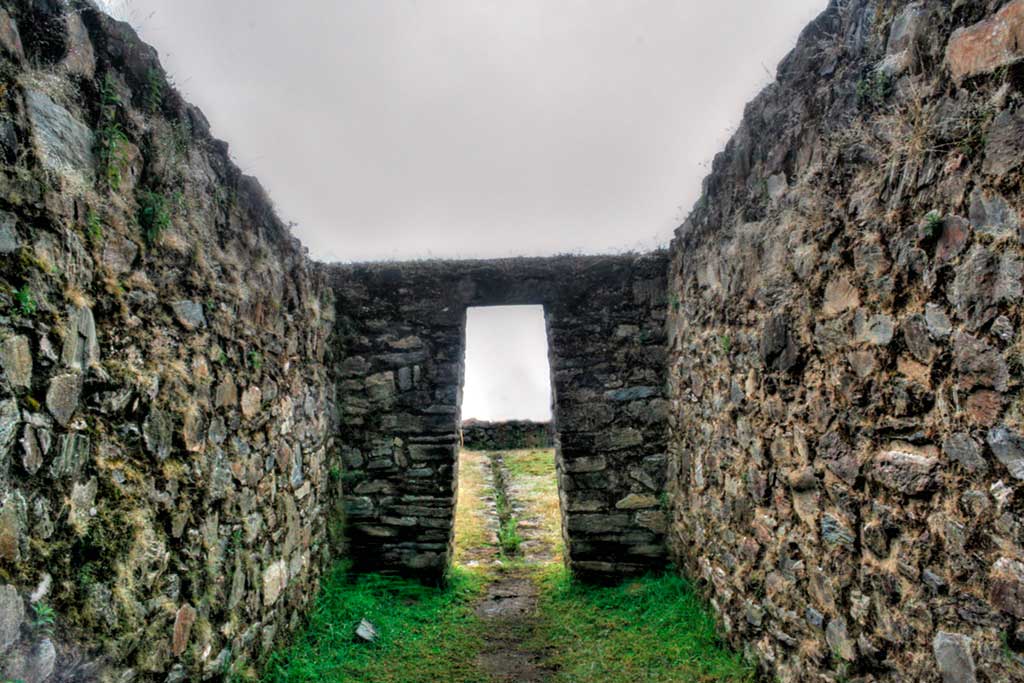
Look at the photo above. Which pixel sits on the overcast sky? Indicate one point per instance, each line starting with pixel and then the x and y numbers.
pixel 399 129
pixel 506 364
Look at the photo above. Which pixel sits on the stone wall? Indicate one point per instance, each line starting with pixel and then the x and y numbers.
pixel 479 435
pixel 165 410
pixel 847 427
pixel 401 332
pixel 835 393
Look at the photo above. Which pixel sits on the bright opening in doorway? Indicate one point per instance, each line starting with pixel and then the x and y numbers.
pixel 508 503
pixel 507 375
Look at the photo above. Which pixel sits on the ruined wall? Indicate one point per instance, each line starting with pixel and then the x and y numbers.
pixel 481 435
pixel 165 430
pixel 846 432
pixel 400 340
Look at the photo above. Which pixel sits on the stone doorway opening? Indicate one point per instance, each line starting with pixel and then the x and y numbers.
pixel 507 508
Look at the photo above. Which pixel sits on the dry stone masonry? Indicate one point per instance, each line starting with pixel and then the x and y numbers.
pixel 847 435
pixel 401 333
pixel 811 403
pixel 480 435
pixel 165 405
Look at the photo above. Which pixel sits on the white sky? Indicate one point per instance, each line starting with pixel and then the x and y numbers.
pixel 399 129
pixel 506 364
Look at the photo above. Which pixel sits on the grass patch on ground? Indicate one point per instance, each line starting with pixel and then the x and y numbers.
pixel 471 531
pixel 533 482
pixel 531 463
pixel 654 629
pixel 426 634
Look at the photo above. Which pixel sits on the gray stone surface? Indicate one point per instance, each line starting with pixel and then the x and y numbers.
pixel 9 239
pixel 1004 146
pixel 81 347
pixel 963 449
pixel 119 253
pixel 64 143
pixel 1008 446
pixel 505 435
pixel 63 395
pixel 12 614
pixel 73 452
pixel 190 314
pixel 953 656
pixel 16 359
pixel 275 579
pixel 992 215
pixel 905 471
pixel 10 38
pixel 10 423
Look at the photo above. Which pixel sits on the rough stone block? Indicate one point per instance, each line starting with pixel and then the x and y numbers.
pixel 16 358
pixel 637 501
pixel 1008 446
pixel 594 463
pixel 12 615
pixel 988 45
pixel 905 470
pixel 63 395
pixel 953 655
pixel 65 144
pixel 275 580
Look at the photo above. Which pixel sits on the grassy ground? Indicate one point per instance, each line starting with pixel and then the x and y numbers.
pixel 473 536
pixel 427 634
pixel 653 630
pixel 533 485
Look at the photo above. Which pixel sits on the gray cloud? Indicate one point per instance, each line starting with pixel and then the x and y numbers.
pixel 474 128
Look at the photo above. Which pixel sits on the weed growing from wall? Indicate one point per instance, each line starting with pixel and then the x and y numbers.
pixel 154 91
pixel 94 228
pixel 874 88
pixel 154 217
pixel 26 301
pixel 111 138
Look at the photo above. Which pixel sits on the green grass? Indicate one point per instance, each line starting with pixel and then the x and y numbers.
pixel 531 463
pixel 154 217
pixel 651 630
pixel 427 635
pixel 26 302
pixel 654 629
pixel 508 536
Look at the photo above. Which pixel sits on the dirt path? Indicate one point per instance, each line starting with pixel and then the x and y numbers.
pixel 509 614
pixel 508 609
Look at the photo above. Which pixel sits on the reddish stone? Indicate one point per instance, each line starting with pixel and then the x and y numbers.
pixel 984 407
pixel 955 231
pixel 998 41
pixel 182 629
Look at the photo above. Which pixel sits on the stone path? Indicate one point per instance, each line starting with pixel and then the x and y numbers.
pixel 509 606
pixel 509 613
